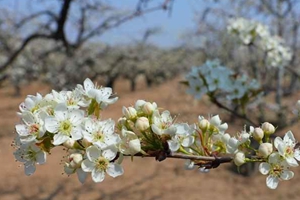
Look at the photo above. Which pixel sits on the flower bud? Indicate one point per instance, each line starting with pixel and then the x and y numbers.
pixel 69 143
pixel 130 112
pixel 75 160
pixel 142 123
pixel 265 149
pixel 148 108
pixel 268 128
pixel 239 158
pixel 258 134
pixel 203 124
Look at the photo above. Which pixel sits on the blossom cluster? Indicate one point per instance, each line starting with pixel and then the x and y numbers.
pixel 213 78
pixel 252 32
pixel 72 119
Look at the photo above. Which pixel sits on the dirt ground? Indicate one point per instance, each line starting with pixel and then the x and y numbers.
pixel 144 178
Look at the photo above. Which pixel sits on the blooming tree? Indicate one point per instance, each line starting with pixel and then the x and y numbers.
pixel 97 146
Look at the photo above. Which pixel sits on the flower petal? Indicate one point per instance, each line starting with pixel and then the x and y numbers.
pixel 264 168
pixel 272 182
pixel 60 138
pixel 292 162
pixel 188 141
pixel 173 145
pixel 93 153
pixel 289 137
pixel 41 157
pixel 76 133
pixel 51 124
pixel 114 170
pixel 98 176
pixel 287 175
pixel 297 154
pixel 87 165
pixel 29 168
pixel 88 84
pixel 277 141
pixel 110 153
pixel 22 129
pixel 81 175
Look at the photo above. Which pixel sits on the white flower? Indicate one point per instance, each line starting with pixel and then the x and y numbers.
pixel 64 124
pixel 101 95
pixel 219 142
pixel 30 155
pixel 216 124
pixel 196 87
pixel 130 143
pixel 162 124
pixel 72 99
pixel 32 128
pixel 276 171
pixel 183 137
pixel 101 133
pixel 98 162
pixel 286 148
pixel 31 103
pixel 234 143
pixel 139 105
pixel 238 90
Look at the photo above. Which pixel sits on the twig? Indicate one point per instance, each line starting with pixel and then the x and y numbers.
pixel 191 157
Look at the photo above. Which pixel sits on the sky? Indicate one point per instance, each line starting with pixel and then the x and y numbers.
pixel 172 25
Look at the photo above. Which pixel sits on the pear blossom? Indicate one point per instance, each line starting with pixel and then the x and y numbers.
pixel 196 87
pixel 32 103
pixel 183 137
pixel 130 144
pixel 99 162
pixel 219 142
pixel 32 128
pixel 237 142
pixel 286 149
pixel 30 155
pixel 101 133
pixel 64 124
pixel 139 105
pixel 101 95
pixel 72 99
pixel 276 170
pixel 216 124
pixel 162 123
